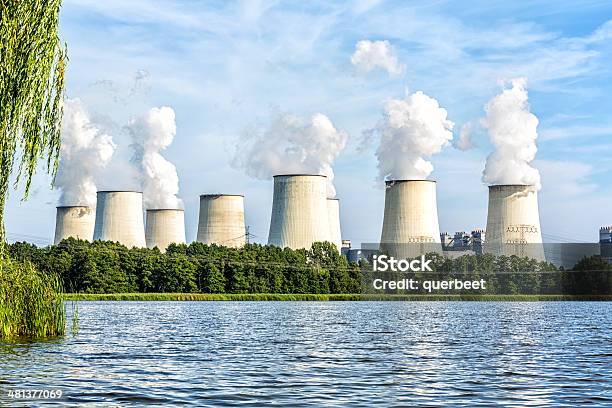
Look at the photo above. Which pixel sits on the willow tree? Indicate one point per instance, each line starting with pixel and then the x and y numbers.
pixel 32 62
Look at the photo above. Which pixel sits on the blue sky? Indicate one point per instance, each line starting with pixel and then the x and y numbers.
pixel 225 66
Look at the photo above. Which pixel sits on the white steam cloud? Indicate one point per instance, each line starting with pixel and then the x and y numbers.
pixel 369 55
pixel 151 133
pixel 464 142
pixel 291 145
pixel 411 130
pixel 513 132
pixel 86 149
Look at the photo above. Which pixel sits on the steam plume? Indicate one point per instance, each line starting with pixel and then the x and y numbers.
pixel 411 129
pixel 464 142
pixel 513 132
pixel 86 150
pixel 151 133
pixel 291 145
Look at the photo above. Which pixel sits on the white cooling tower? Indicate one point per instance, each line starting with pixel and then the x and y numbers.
pixel 333 216
pixel 513 222
pixel 222 220
pixel 410 224
pixel 76 221
pixel 165 227
pixel 119 218
pixel 299 211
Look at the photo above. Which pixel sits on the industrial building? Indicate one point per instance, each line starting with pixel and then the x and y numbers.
pixel 410 223
pixel 221 220
pixel 164 227
pixel 299 211
pixel 513 222
pixel 119 218
pixel 462 241
pixel 605 243
pixel 302 214
pixel 76 221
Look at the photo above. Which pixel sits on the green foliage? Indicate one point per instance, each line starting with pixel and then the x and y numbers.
pixel 32 64
pixel 31 302
pixel 591 275
pixel 108 267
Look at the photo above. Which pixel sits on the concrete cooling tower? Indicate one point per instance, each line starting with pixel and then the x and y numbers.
pixel 76 221
pixel 410 224
pixel 119 218
pixel 299 211
pixel 222 220
pixel 165 227
pixel 513 222
pixel 333 216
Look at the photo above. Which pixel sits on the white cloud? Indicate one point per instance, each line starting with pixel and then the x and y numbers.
pixel 575 131
pixel 369 55
pixel 563 179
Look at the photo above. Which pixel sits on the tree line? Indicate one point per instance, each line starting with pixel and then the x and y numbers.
pixel 108 267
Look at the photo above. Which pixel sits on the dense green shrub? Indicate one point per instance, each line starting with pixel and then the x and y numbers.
pixel 31 302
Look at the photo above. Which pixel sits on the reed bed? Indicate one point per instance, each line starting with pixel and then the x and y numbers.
pixel 31 303
pixel 319 297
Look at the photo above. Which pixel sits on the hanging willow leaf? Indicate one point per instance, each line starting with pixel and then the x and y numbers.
pixel 32 64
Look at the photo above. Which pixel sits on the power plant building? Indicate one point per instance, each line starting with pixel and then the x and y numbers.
pixel 410 224
pixel 119 218
pixel 221 220
pixel 605 243
pixel 165 227
pixel 513 222
pixel 299 211
pixel 76 221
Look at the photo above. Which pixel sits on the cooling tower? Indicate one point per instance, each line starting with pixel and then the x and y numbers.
pixel 333 216
pixel 513 222
pixel 410 224
pixel 119 218
pixel 76 221
pixel 299 211
pixel 222 220
pixel 165 227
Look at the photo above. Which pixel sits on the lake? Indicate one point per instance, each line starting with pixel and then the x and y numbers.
pixel 322 353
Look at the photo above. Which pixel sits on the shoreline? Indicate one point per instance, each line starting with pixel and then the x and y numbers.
pixel 204 297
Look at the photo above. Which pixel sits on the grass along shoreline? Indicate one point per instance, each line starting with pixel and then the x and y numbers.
pixel 321 297
pixel 31 303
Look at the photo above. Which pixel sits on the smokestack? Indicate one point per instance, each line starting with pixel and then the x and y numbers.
pixel 299 211
pixel 513 222
pixel 165 227
pixel 119 218
pixel 222 220
pixel 76 221
pixel 410 224
pixel 333 216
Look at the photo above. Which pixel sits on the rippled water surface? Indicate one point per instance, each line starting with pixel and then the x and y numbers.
pixel 327 353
